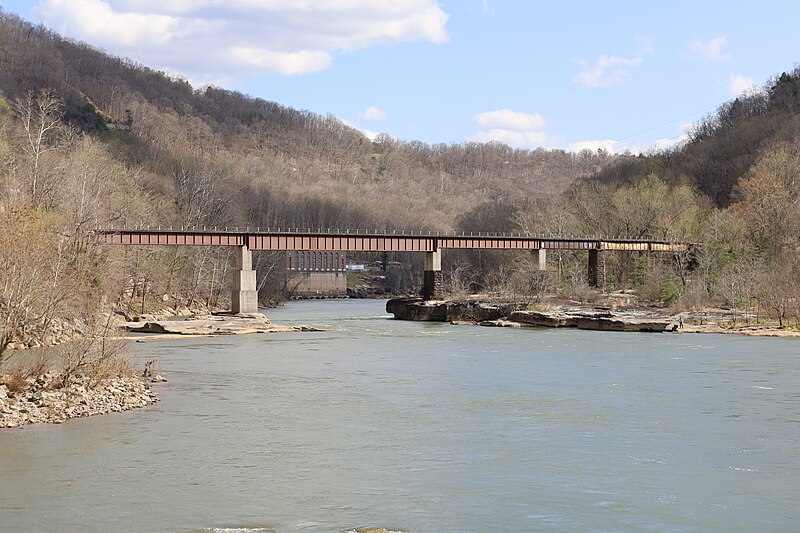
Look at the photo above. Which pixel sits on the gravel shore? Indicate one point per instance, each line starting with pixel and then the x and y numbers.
pixel 39 399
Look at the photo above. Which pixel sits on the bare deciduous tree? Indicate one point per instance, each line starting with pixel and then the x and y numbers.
pixel 41 117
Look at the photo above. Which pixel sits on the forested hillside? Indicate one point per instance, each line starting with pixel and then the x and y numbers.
pixel 88 140
pixel 266 152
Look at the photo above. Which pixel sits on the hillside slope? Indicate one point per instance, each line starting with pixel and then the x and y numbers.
pixel 278 161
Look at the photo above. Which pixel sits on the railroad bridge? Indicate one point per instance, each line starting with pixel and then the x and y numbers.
pixel 244 297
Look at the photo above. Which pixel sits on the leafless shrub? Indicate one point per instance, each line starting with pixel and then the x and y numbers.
pixel 528 286
pixel 19 377
pixel 458 280
pixel 577 287
pixel 96 355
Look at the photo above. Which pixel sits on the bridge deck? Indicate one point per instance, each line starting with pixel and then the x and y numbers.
pixel 374 241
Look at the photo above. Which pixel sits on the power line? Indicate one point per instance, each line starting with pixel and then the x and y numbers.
pixel 683 117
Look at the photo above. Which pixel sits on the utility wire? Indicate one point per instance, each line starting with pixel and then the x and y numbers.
pixel 683 117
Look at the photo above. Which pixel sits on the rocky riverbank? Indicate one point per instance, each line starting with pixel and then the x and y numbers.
pixel 514 315
pixel 58 331
pixel 45 399
pixel 52 333
pixel 620 318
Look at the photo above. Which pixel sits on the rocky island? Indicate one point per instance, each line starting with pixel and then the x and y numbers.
pixel 580 316
pixel 515 315
pixel 212 324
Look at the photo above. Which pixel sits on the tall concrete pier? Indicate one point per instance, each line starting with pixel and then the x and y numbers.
pixel 539 259
pixel 244 296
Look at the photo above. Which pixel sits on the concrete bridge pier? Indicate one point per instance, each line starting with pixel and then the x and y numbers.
pixel 432 280
pixel 244 296
pixel 539 258
pixel 597 268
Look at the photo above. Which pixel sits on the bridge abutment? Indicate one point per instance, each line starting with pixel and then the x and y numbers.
pixel 432 278
pixel 244 296
pixel 597 268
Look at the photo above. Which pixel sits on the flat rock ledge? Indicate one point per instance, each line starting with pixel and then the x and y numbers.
pixel 588 320
pixel 39 402
pixel 510 315
pixel 217 324
pixel 447 311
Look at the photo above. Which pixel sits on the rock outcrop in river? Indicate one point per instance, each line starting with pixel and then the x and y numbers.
pixel 446 311
pixel 512 315
pixel 216 324
pixel 588 320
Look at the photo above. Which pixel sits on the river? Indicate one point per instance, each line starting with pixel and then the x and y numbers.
pixel 424 427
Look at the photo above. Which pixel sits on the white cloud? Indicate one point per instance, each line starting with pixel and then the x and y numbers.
pixel 301 62
pixel 514 128
pixel 615 147
pixel 97 22
pixel 373 113
pixel 742 85
pixel 608 145
pixel 508 119
pixel 669 142
pixel 216 39
pixel 606 71
pixel 713 50
pixel 369 134
pixel 515 139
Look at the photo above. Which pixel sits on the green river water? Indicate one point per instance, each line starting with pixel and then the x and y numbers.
pixel 422 427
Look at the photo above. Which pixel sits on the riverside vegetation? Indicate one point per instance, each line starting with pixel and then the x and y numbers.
pixel 90 140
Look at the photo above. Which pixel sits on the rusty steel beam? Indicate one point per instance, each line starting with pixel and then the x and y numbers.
pixel 498 243
pixel 343 243
pixel 329 240
pixel 174 238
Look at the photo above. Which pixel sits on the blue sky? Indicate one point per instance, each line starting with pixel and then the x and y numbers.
pixel 613 74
